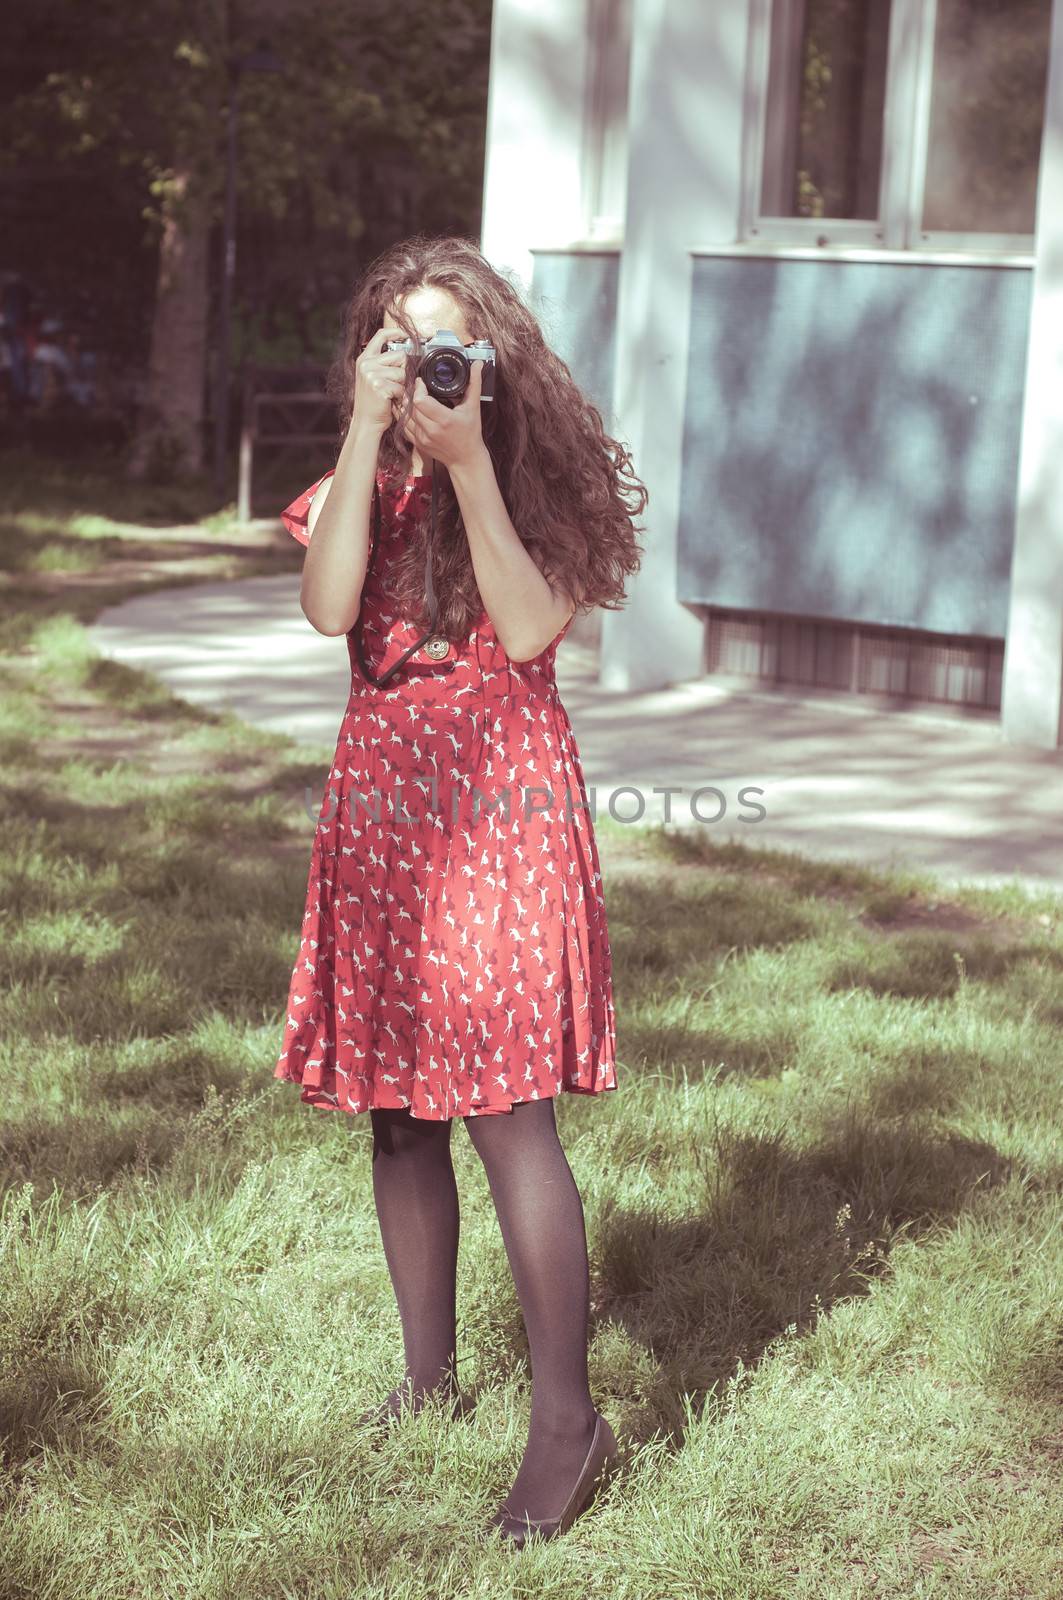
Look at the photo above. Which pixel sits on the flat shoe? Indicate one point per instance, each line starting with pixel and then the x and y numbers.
pixel 601 1461
pixel 396 1408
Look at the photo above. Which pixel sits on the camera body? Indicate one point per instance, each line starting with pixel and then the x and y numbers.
pixel 445 364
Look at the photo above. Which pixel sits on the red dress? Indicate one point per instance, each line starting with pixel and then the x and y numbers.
pixel 454 958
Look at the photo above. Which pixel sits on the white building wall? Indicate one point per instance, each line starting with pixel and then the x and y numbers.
pixel 533 175
pixel 685 115
pixel 1031 701
pixel 682 189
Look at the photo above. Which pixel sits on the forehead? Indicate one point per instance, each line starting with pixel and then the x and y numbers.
pixel 430 308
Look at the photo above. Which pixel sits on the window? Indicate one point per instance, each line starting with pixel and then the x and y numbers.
pixel 897 123
pixel 986 116
pixel 827 94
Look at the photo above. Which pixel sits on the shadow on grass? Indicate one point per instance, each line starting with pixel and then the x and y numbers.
pixel 676 930
pixel 81 1151
pixel 684 914
pixel 53 1402
pixel 925 964
pixel 137 918
pixel 778 1237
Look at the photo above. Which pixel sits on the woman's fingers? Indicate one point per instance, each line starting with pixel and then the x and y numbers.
pixel 379 379
pixel 380 338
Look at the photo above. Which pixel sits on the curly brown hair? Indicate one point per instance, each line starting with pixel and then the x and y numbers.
pixel 567 485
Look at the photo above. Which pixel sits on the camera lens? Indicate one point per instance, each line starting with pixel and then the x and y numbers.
pixel 445 374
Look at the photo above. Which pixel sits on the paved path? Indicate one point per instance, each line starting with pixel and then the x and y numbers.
pixel 839 778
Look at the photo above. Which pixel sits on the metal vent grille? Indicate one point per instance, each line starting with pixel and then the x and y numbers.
pixel 900 662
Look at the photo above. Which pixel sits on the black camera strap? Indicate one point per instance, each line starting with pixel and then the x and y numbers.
pixel 438 645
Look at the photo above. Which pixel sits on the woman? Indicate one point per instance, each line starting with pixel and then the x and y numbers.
pixel 455 957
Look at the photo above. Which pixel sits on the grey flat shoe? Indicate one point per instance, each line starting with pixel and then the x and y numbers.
pixel 602 1458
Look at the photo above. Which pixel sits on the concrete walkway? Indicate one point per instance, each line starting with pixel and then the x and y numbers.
pixel 838 778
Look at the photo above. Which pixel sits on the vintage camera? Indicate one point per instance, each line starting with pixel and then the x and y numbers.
pixel 445 364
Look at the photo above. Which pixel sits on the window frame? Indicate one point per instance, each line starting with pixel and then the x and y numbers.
pixel 905 144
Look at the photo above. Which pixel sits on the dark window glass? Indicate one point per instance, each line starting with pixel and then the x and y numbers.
pixel 825 129
pixel 987 115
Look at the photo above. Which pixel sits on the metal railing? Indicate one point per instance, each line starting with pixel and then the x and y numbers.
pixel 288 429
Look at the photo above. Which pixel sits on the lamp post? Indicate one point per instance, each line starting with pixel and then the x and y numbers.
pixel 261 59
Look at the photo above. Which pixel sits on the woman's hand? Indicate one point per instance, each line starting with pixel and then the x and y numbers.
pixel 450 434
pixel 379 378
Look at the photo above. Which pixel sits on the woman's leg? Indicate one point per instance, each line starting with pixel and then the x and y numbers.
pixel 417 1207
pixel 540 1214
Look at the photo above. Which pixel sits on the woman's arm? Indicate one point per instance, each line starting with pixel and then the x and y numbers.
pixel 338 553
pixel 526 612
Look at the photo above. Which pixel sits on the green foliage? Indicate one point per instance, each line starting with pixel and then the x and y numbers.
pixel 374 129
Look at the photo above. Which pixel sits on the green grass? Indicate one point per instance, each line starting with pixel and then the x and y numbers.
pixel 824 1209
pixel 76 537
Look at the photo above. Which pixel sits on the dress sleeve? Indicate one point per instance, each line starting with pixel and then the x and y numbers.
pixel 296 516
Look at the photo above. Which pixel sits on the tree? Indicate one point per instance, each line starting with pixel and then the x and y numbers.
pixel 375 130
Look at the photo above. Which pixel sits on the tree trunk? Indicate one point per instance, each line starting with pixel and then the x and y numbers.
pixel 168 436
pixel 169 429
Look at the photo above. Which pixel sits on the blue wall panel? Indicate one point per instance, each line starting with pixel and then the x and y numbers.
pixel 851 439
pixel 574 297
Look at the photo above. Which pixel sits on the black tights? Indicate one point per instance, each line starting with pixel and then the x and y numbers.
pixel 540 1215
